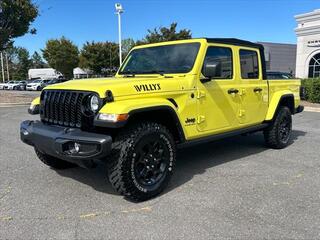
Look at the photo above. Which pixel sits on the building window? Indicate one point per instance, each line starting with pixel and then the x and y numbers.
pixel 314 66
pixel 249 64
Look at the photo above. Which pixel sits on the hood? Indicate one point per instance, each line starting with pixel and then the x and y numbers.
pixel 121 86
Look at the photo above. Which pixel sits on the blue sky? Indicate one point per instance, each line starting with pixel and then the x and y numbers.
pixel 88 20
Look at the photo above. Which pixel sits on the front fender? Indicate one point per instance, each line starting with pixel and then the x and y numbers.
pixel 274 102
pixel 127 106
pixel 35 101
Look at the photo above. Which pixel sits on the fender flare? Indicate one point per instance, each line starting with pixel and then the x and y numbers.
pixel 135 108
pixel 173 114
pixel 275 103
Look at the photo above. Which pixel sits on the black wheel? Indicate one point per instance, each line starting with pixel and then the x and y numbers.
pixel 278 134
pixel 142 161
pixel 14 88
pixel 39 88
pixel 53 162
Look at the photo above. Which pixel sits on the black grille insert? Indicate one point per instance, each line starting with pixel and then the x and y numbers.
pixel 64 108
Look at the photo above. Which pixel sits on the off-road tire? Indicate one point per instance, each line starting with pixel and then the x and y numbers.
pixel 273 134
pixel 53 162
pixel 122 166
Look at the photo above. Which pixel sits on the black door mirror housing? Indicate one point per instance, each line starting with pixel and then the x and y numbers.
pixel 211 69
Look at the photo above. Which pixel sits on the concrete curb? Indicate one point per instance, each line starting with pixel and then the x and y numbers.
pixel 311 109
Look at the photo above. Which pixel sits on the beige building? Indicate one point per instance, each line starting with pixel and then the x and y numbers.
pixel 308 44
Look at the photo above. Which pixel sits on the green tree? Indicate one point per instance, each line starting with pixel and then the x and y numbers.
pixel 19 62
pixel 16 17
pixel 62 55
pixel 127 45
pixel 163 34
pixel 37 61
pixel 100 57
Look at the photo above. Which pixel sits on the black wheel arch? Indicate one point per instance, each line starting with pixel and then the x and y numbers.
pixel 286 100
pixel 164 115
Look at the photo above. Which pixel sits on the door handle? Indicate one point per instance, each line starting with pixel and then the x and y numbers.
pixel 257 90
pixel 233 90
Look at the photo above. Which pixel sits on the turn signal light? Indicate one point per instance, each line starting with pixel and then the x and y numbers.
pixel 111 117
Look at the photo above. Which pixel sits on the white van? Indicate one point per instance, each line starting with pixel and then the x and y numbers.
pixel 44 74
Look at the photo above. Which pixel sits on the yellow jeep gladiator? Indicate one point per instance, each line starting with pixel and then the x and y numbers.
pixel 164 96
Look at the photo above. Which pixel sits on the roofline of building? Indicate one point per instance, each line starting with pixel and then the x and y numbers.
pixel 310 16
pixel 291 44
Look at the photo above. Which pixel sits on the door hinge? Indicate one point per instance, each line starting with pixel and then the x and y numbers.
pixel 242 92
pixel 201 119
pixel 200 94
pixel 242 113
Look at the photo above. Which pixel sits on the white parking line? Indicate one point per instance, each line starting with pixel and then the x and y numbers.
pixel 7 105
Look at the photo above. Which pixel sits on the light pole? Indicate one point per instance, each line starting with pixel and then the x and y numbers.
pixel 2 67
pixel 119 10
pixel 8 73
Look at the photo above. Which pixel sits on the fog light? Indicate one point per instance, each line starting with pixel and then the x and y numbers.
pixel 77 147
pixel 25 132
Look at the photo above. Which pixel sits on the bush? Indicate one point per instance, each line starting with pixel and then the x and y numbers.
pixel 312 88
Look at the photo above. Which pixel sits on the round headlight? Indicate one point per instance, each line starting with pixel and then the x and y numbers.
pixel 94 103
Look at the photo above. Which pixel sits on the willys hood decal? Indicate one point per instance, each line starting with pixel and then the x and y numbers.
pixel 120 86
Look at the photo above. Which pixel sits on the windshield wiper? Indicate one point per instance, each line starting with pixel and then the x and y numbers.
pixel 128 74
pixel 154 72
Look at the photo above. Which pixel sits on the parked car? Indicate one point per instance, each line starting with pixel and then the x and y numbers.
pixel 36 85
pixel 7 85
pixel 16 85
pixel 279 75
pixel 22 85
pixel 2 85
pixel 54 81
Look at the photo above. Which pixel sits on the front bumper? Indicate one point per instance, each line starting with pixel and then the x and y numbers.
pixel 69 144
pixel 31 88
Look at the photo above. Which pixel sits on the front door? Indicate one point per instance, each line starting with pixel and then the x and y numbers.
pixel 218 102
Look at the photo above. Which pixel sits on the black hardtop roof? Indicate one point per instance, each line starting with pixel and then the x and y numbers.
pixel 236 42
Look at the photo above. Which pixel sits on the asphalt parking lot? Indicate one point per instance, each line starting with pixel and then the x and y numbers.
pixel 230 189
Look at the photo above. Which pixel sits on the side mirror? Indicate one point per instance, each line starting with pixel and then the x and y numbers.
pixel 211 69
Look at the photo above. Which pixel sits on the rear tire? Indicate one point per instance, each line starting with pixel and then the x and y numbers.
pixel 53 162
pixel 142 161
pixel 278 134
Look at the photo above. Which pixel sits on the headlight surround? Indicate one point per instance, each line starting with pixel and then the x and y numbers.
pixel 91 104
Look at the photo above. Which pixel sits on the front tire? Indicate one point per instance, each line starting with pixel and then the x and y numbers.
pixel 53 162
pixel 278 134
pixel 142 161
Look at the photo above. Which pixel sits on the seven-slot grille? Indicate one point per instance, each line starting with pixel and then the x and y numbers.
pixel 62 107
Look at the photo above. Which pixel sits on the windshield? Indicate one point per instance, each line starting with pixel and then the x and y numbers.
pixel 36 81
pixel 52 82
pixel 175 58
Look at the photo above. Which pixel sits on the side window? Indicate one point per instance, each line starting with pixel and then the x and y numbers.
pixel 221 59
pixel 249 64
